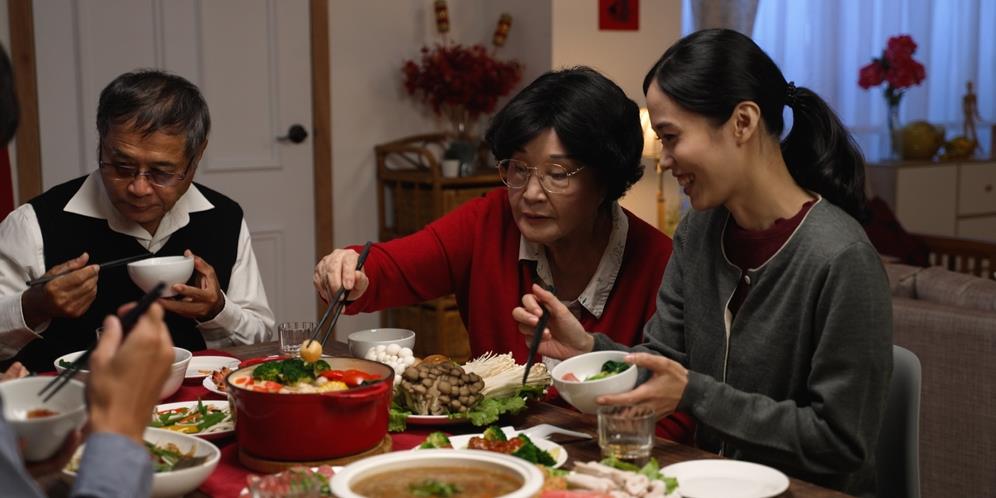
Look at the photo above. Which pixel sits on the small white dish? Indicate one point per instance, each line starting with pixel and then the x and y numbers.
pixel 181 358
pixel 720 478
pixel 203 366
pixel 171 270
pixel 177 482
pixel 555 450
pixel 209 384
pixel 220 430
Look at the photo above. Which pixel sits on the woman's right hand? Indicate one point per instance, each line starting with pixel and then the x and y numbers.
pixel 337 271
pixel 564 335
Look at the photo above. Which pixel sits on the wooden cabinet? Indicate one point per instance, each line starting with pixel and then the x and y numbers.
pixel 412 192
pixel 949 199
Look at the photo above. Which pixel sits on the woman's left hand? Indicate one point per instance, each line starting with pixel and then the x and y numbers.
pixel 662 392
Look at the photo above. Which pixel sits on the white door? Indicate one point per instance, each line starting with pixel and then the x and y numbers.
pixel 251 60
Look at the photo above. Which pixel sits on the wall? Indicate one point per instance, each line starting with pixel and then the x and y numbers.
pixel 369 40
pixel 622 56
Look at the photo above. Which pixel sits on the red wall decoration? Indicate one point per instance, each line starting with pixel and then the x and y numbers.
pixel 619 15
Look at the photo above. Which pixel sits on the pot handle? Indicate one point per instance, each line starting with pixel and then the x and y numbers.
pixel 361 395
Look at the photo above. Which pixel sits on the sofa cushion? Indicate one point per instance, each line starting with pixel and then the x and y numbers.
pixel 902 279
pixel 939 285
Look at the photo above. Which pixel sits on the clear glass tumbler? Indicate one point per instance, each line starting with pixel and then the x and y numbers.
pixel 292 334
pixel 626 433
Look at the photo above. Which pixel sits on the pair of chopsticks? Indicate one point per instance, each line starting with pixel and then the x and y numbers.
pixel 128 321
pixel 104 266
pixel 338 300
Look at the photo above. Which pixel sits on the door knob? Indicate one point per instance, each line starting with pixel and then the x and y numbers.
pixel 295 134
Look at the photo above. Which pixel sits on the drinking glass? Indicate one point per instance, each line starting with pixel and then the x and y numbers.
pixel 292 334
pixel 626 432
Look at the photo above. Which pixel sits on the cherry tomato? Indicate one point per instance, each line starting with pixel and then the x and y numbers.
pixel 354 378
pixel 332 374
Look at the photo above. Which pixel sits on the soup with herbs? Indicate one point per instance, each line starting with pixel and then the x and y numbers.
pixel 457 482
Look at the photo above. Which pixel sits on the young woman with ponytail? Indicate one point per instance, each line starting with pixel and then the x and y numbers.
pixel 774 322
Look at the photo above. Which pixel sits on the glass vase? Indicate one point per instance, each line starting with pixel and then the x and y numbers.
pixel 892 100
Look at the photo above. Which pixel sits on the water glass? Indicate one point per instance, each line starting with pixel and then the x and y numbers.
pixel 626 432
pixel 292 334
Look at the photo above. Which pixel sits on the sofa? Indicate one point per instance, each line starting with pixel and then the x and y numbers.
pixel 948 320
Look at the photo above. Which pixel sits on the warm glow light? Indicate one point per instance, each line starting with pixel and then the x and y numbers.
pixel 651 146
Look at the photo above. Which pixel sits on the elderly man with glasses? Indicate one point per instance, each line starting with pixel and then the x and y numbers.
pixel 153 129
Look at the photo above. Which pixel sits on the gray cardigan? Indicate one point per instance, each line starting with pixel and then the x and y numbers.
pixel 798 380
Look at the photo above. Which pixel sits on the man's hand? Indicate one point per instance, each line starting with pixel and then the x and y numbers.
pixel 69 295
pixel 662 392
pixel 126 378
pixel 201 303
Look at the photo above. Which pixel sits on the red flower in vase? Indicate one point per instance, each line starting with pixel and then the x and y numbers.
pixel 896 67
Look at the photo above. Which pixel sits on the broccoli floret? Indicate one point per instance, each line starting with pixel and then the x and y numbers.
pixel 295 370
pixel 532 453
pixel 320 366
pixel 609 369
pixel 436 440
pixel 267 371
pixel 493 433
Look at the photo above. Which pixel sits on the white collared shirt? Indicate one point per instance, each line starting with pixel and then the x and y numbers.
pixel 245 319
pixel 596 293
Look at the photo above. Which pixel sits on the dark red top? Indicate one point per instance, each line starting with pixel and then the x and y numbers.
pixel 749 249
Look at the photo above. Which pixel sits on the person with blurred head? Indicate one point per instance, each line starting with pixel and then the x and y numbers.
pixel 568 147
pixel 140 200
pixel 126 377
pixel 773 326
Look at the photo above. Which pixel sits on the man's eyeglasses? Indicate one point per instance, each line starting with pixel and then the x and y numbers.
pixel 554 178
pixel 124 172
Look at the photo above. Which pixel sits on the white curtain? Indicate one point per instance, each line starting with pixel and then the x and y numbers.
pixel 821 44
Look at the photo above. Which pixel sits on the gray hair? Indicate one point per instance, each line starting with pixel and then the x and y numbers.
pixel 155 101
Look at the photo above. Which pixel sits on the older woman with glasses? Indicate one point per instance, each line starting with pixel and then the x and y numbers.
pixel 141 200
pixel 569 147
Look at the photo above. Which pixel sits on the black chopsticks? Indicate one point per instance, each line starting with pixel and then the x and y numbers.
pixel 537 337
pixel 128 321
pixel 103 266
pixel 338 301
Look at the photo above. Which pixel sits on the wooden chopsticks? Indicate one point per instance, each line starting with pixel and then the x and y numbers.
pixel 338 302
pixel 128 321
pixel 103 266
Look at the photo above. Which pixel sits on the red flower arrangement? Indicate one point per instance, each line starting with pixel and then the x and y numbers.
pixel 459 81
pixel 454 77
pixel 896 67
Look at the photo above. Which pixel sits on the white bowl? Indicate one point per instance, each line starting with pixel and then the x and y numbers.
pixel 42 436
pixel 171 270
pixel 362 341
pixel 398 462
pixel 178 482
pixel 582 394
pixel 181 357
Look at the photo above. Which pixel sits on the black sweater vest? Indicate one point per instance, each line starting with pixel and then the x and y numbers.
pixel 213 235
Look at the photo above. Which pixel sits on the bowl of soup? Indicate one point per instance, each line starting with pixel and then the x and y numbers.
pixel 42 425
pixel 342 410
pixel 582 379
pixel 171 270
pixel 461 473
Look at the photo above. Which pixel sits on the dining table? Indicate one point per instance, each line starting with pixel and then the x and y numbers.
pixel 229 478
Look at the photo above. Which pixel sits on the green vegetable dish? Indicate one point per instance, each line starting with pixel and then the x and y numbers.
pixel 609 369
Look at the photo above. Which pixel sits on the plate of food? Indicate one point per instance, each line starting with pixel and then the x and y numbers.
pixel 208 419
pixel 438 391
pixel 216 381
pixel 501 440
pixel 204 366
pixel 310 479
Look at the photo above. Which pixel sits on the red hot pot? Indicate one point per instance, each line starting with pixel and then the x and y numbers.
pixel 315 426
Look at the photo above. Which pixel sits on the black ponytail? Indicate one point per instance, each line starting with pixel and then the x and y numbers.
pixel 710 72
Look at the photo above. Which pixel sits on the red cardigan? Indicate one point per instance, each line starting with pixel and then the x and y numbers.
pixel 473 252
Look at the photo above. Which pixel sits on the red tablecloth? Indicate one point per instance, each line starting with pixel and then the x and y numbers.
pixel 229 477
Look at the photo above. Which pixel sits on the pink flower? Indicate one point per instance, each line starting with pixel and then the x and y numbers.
pixel 896 67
